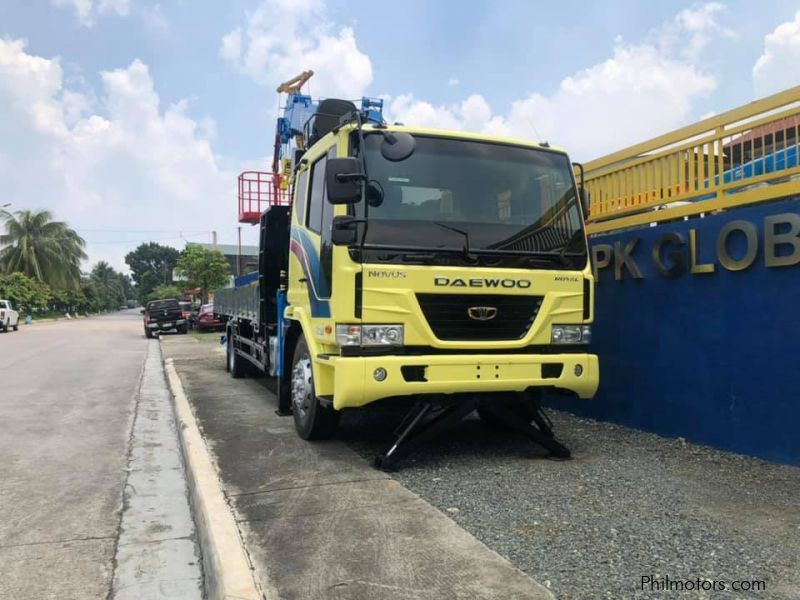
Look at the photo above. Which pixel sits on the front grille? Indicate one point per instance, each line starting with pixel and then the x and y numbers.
pixel 448 316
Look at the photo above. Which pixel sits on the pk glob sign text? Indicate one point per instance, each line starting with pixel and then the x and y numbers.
pixel 675 253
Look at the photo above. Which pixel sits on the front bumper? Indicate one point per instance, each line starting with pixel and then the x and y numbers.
pixel 355 384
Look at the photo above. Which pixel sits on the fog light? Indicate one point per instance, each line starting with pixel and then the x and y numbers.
pixel 379 374
pixel 578 370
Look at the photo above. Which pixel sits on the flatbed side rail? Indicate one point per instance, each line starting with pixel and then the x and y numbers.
pixel 238 302
pixel 743 156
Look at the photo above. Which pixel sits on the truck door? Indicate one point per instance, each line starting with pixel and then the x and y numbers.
pixel 311 240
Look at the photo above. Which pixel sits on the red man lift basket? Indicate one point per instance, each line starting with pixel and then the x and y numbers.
pixel 257 192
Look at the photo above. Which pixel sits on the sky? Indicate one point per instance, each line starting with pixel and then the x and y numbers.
pixel 131 119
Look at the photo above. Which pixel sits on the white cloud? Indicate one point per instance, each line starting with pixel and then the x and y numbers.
pixel 473 114
pixel 642 90
pixel 778 66
pixel 636 94
pixel 282 38
pixel 694 28
pixel 87 11
pixel 123 162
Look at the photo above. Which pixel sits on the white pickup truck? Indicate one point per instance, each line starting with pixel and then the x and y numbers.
pixel 8 316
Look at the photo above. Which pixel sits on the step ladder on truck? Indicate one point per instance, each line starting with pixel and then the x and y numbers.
pixel 399 262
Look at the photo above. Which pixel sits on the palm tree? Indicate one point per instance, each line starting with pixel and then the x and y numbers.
pixel 108 285
pixel 41 248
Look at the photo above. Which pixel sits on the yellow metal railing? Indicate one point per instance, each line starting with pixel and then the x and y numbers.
pixel 746 155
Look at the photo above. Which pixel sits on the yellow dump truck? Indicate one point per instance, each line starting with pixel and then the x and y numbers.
pixel 400 262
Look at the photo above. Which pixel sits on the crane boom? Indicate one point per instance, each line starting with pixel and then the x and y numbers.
pixel 293 85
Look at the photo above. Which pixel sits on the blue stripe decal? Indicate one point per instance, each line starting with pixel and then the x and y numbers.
pixel 303 248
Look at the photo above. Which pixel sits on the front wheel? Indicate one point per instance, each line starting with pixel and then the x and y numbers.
pixel 311 420
pixel 148 334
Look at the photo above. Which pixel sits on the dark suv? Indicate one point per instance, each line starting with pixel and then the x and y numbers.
pixel 163 315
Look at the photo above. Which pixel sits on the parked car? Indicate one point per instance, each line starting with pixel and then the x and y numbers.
pixel 8 316
pixel 164 315
pixel 206 319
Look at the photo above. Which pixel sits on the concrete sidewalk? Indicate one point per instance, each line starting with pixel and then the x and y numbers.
pixel 318 522
pixel 157 556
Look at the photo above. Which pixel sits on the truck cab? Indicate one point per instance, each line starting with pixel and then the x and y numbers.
pixel 426 262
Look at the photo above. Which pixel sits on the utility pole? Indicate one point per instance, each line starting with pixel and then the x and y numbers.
pixel 214 239
pixel 239 256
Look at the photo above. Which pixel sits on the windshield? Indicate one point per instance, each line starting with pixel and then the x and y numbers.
pixel 162 304
pixel 509 201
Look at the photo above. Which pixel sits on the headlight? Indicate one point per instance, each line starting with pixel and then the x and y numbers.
pixel 571 334
pixel 369 335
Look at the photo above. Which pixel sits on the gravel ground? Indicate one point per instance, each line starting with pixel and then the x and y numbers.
pixel 628 505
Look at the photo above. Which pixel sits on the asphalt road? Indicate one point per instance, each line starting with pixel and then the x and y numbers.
pixel 68 397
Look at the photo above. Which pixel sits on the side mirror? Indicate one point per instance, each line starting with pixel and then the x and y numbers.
pixel 584 202
pixel 344 230
pixel 344 179
pixel 583 195
pixel 142 311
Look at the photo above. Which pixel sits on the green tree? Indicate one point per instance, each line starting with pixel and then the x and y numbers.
pixel 25 293
pixel 151 264
pixel 71 301
pixel 203 268
pixel 163 292
pixel 127 287
pixel 109 293
pixel 41 248
pixel 92 294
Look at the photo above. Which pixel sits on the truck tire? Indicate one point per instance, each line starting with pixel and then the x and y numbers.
pixel 16 325
pixel 183 329
pixel 311 420
pixel 236 366
pixel 148 334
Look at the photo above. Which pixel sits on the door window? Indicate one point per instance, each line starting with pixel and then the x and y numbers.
pixel 316 198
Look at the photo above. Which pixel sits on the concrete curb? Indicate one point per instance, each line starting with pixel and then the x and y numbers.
pixel 227 569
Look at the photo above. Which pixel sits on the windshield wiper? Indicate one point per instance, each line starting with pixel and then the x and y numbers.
pixel 572 239
pixel 420 257
pixel 467 254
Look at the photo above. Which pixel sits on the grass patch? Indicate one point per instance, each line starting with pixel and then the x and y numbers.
pixel 206 336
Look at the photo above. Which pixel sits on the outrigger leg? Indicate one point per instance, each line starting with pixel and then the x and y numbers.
pixel 526 417
pixel 414 429
pixel 533 423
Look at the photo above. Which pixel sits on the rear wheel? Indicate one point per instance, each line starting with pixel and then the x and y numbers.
pixel 236 366
pixel 312 420
pixel 147 333
pixel 183 329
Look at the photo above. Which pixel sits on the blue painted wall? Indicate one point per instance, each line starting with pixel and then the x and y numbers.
pixel 714 358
